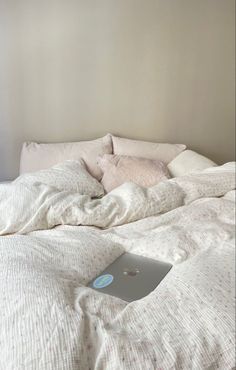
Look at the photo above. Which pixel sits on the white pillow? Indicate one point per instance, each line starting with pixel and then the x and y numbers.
pixel 35 157
pixel 68 176
pixel 163 152
pixel 187 162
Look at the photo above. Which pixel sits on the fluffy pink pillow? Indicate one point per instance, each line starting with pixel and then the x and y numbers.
pixel 118 169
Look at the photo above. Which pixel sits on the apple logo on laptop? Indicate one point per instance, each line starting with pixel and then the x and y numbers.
pixel 133 272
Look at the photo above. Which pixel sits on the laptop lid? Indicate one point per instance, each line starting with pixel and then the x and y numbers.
pixel 131 277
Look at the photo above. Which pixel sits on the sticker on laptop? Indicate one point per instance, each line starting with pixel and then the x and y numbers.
pixel 102 281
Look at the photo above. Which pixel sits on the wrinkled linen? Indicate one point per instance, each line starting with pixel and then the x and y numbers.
pixel 49 319
pixel 70 175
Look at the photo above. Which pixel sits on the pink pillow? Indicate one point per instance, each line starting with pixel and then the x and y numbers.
pixel 35 157
pixel 118 169
pixel 164 152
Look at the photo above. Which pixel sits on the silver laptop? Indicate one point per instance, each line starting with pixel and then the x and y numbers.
pixel 130 277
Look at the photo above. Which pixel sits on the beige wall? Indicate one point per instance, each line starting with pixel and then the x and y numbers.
pixel 153 69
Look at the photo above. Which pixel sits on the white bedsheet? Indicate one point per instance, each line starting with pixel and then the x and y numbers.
pixel 50 320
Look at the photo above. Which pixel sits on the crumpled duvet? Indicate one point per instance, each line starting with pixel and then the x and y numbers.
pixel 53 243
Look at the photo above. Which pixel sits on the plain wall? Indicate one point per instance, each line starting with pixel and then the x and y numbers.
pixel 160 70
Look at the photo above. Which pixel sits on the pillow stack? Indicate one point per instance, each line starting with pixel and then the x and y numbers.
pixel 111 159
pixel 141 162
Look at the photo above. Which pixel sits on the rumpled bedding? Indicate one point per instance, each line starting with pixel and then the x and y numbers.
pixel 54 242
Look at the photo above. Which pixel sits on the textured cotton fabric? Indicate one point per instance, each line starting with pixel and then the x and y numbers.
pixel 67 176
pixel 50 320
pixel 118 169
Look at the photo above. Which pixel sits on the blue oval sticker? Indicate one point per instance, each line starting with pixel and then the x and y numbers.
pixel 103 281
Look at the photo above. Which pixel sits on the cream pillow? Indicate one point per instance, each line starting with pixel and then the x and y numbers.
pixel 187 162
pixel 118 169
pixel 35 157
pixel 68 176
pixel 160 151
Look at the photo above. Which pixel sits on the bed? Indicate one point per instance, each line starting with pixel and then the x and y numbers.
pixel 54 241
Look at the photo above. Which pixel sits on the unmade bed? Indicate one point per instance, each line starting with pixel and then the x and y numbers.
pixel 55 241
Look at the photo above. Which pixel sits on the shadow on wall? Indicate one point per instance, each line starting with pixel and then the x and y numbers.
pixel 3 159
pixel 9 155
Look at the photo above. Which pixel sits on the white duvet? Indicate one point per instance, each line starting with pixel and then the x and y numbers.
pixel 53 243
